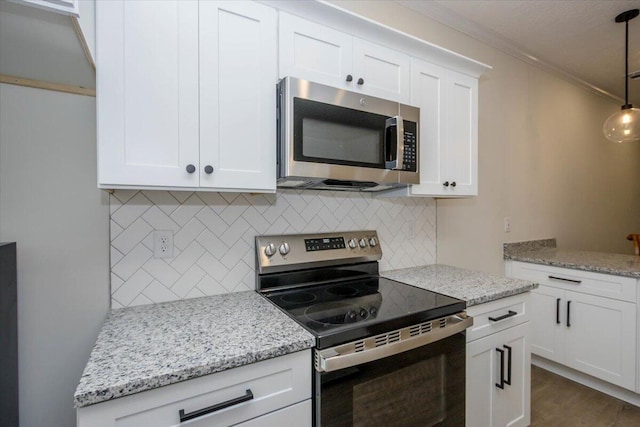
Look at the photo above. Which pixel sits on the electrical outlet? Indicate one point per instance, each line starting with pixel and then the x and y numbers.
pixel 163 244
pixel 507 224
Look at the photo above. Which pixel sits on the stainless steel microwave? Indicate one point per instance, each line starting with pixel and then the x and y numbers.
pixel 331 138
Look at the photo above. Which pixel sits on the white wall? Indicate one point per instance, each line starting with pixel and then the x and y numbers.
pixel 50 206
pixel 542 158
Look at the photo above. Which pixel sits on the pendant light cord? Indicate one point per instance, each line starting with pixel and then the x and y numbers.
pixel 626 64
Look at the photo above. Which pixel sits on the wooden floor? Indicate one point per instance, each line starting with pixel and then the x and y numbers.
pixel 559 402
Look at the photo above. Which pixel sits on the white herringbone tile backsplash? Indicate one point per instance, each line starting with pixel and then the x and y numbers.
pixel 214 236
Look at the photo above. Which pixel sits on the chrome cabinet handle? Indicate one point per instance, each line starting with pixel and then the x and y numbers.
pixel 217 407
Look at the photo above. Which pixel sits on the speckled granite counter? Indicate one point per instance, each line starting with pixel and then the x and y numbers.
pixel 140 348
pixel 538 252
pixel 472 286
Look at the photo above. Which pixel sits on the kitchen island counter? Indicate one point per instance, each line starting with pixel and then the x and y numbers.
pixel 145 347
pixel 474 287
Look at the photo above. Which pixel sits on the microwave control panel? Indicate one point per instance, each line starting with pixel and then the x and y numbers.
pixel 410 146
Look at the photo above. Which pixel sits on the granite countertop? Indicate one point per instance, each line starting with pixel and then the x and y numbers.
pixel 145 347
pixel 545 252
pixel 473 287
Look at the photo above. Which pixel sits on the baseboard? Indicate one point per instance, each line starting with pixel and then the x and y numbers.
pixel 587 380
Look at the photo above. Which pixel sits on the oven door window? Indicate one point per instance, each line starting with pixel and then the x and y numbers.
pixel 423 387
pixel 325 133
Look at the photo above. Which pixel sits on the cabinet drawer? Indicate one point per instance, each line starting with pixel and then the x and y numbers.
pixel 274 383
pixel 495 316
pixel 604 285
pixel 298 415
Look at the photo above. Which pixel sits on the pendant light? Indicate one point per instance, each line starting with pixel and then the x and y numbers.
pixel 624 125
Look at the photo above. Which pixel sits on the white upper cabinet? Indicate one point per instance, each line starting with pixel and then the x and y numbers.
pixel 321 54
pixel 147 92
pixel 186 95
pixel 66 7
pixel 238 63
pixel 448 103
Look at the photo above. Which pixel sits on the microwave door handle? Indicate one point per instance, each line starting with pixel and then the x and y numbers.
pixel 397 162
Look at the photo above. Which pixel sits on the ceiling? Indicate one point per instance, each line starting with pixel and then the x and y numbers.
pixel 576 38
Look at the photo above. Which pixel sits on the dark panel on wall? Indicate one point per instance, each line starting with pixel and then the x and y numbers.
pixel 8 336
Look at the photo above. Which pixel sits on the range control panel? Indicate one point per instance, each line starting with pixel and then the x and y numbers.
pixel 324 243
pixel 290 252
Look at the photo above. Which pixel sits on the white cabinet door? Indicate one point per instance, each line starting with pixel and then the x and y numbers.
pixel 321 54
pixel 448 104
pixel 601 339
pixel 147 92
pixel 238 76
pixel 314 52
pixel 461 147
pixel 488 405
pixel 381 72
pixel 548 323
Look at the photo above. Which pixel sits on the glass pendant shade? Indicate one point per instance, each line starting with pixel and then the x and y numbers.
pixel 623 126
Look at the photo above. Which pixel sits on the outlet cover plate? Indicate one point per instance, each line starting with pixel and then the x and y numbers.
pixel 163 244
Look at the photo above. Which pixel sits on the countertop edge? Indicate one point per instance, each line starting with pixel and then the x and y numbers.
pixel 145 384
pixel 524 257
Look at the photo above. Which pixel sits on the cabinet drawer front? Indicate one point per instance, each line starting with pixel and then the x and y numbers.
pixel 298 415
pixel 605 285
pixel 498 315
pixel 274 383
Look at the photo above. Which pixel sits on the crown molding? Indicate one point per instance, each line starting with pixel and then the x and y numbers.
pixel 459 23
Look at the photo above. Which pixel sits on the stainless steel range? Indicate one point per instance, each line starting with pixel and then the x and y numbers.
pixel 387 353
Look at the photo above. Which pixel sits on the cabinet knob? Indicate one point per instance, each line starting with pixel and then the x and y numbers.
pixel 446 183
pixel 349 77
pixel 453 183
pixel 360 81
pixel 191 168
pixel 208 169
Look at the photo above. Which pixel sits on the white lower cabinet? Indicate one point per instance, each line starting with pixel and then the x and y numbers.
pixel 274 392
pixel 584 320
pixel 498 385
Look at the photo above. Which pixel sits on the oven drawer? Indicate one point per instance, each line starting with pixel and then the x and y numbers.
pixel 587 282
pixel 498 315
pixel 274 384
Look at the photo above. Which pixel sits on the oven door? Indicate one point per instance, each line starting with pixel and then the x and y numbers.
pixel 413 376
pixel 421 387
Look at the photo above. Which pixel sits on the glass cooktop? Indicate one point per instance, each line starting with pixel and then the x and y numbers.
pixel 353 309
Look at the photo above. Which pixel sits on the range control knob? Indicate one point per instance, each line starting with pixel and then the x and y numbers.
pixel 363 243
pixel 373 242
pixel 353 244
pixel 270 249
pixel 284 248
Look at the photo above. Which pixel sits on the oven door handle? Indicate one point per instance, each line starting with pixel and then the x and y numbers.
pixel 359 352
